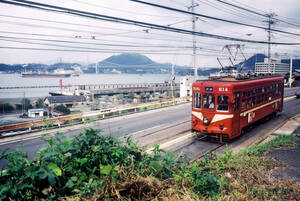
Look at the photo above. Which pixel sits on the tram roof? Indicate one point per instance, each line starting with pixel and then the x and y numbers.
pixel 234 80
pixel 240 83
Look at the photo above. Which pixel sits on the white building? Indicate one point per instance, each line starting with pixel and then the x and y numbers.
pixel 186 86
pixel 39 112
pixel 275 67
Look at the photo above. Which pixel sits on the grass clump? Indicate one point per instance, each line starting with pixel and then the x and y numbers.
pixel 248 175
pixel 278 142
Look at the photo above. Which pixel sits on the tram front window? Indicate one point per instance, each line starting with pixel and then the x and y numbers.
pixel 197 100
pixel 222 103
pixel 208 101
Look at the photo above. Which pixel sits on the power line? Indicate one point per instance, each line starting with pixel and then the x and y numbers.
pixel 254 12
pixel 231 11
pixel 88 48
pixel 100 44
pixel 63 10
pixel 213 18
pixel 90 39
pixel 89 32
pixel 94 51
pixel 120 10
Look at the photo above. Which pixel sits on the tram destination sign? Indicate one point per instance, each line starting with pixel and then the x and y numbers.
pixel 208 89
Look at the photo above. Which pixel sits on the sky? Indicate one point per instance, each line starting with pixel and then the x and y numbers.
pixel 50 37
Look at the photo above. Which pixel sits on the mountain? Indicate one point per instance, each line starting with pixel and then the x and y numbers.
pixel 249 64
pixel 127 60
pixel 19 68
pixel 296 63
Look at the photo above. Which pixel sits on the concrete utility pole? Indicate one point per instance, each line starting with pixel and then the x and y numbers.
pixel 97 70
pixel 291 68
pixel 192 9
pixel 270 23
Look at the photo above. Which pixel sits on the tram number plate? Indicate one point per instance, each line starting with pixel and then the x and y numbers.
pixel 223 89
pixel 208 89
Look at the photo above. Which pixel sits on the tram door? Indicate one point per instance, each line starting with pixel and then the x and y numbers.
pixel 236 114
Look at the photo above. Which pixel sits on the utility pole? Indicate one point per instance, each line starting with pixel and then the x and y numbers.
pixel 291 68
pixel 270 22
pixel 192 9
pixel 97 70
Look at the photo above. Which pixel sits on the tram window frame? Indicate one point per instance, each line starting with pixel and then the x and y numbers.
pixel 224 104
pixel 206 103
pixel 197 100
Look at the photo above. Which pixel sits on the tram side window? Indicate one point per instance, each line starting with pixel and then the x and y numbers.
pixel 208 101
pixel 244 104
pixel 236 105
pixel 197 100
pixel 258 99
pixel 249 104
pixel 253 101
pixel 222 103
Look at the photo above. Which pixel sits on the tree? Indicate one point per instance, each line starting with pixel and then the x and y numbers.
pixel 40 103
pixel 26 103
pixel 120 97
pixel 6 107
pixel 131 95
pixel 63 109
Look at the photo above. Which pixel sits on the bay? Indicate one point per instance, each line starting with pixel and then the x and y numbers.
pixel 16 80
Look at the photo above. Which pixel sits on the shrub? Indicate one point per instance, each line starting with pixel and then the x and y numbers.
pixel 63 109
pixel 90 163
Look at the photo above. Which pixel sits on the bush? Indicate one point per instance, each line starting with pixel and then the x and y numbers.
pixel 26 103
pixel 6 107
pixel 63 109
pixel 91 163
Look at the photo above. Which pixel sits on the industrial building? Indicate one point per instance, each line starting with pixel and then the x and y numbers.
pixel 275 67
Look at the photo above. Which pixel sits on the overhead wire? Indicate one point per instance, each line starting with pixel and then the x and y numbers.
pixel 257 13
pixel 93 51
pixel 213 18
pixel 228 10
pixel 120 10
pixel 69 11
pixel 97 44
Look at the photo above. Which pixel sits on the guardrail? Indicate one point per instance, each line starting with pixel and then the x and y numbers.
pixel 86 117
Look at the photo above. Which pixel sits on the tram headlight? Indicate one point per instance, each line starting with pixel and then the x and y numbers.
pixel 205 120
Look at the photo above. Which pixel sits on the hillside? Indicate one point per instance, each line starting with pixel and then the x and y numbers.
pixel 127 59
pixel 250 62
pixel 133 64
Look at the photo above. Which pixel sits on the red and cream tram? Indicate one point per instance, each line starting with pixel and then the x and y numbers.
pixel 225 107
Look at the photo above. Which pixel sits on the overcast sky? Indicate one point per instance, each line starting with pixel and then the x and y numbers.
pixel 49 30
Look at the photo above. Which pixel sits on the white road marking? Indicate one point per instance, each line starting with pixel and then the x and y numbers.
pixel 10 142
pixel 172 142
pixel 288 98
pixel 146 129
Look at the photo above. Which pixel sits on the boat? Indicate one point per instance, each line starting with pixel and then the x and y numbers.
pixel 75 74
pixel 46 75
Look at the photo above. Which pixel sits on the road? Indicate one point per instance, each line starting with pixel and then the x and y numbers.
pixel 161 126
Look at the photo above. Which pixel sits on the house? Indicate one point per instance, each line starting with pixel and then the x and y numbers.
pixel 38 112
pixel 68 101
